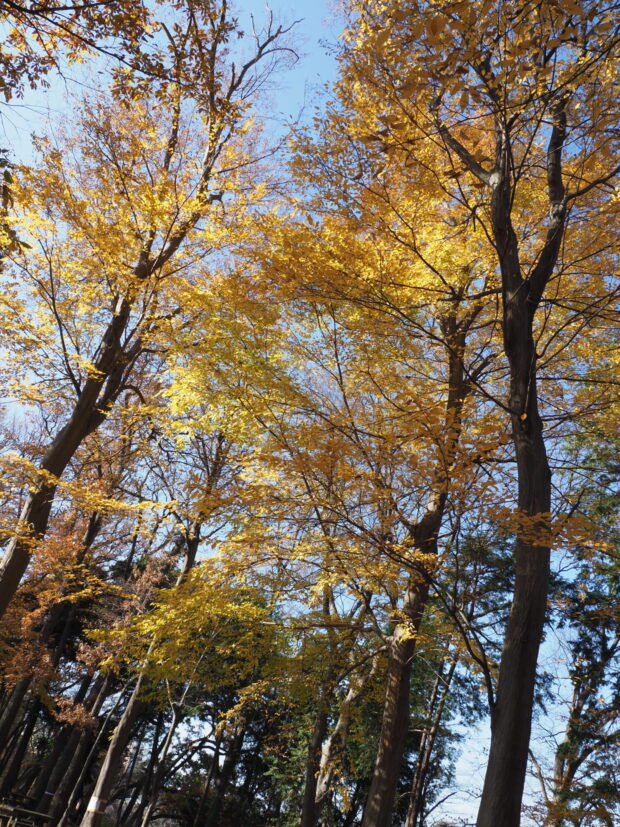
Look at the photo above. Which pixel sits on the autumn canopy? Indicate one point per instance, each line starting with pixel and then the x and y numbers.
pixel 309 446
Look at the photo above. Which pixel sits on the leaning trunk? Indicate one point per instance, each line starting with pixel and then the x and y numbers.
pixel 67 778
pixel 11 711
pixel 39 789
pixel 13 770
pixel 112 761
pixel 160 765
pixel 96 397
pixel 336 743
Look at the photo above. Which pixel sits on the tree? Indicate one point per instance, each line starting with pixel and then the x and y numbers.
pixel 160 194
pixel 581 786
pixel 285 443
pixel 398 294
pixel 531 81
pixel 41 35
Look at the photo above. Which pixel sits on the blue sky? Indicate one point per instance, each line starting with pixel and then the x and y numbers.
pixel 319 26
pixel 292 93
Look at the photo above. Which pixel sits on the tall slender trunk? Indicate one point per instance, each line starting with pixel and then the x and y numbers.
pixel 124 809
pixel 511 716
pixel 160 764
pixel 395 721
pixel 309 809
pixel 112 761
pixel 436 707
pixel 113 758
pixel 148 774
pixel 40 783
pixel 512 713
pixel 59 618
pixel 198 820
pixel 424 539
pixel 336 743
pixel 223 778
pixel 13 707
pixel 11 710
pixel 67 783
pixel 60 782
pixel 21 746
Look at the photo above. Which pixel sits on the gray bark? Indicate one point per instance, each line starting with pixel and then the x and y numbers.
pixel 112 761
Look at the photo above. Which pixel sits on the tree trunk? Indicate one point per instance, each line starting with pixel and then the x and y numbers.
pixel 40 785
pixel 145 785
pixel 309 809
pixel 511 716
pixel 512 713
pixel 161 756
pixel 124 810
pixel 83 750
pixel 395 722
pixel 337 740
pixel 9 716
pixel 53 767
pixel 223 779
pixel 435 708
pixel 14 768
pixel 112 761
pixel 97 395
pixel 61 611
pixel 198 821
